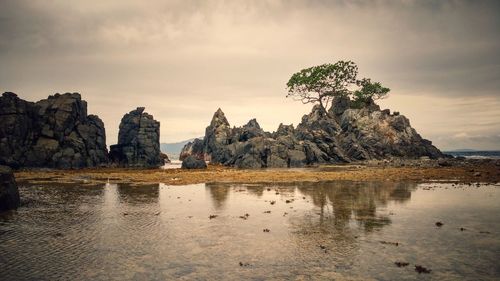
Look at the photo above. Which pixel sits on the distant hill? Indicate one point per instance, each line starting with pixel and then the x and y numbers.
pixel 173 148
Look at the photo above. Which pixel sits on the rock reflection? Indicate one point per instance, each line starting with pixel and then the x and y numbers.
pixel 138 194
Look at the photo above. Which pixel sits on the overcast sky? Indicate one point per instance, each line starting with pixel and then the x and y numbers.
pixel 184 59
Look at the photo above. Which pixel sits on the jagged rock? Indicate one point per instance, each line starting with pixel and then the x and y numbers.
pixel 342 134
pixel 217 137
pixel 191 162
pixel 138 141
pixel 195 148
pixel 9 194
pixel 55 132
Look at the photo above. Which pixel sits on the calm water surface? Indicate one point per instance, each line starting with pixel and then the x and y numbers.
pixel 331 230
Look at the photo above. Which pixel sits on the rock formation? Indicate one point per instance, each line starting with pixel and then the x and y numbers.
pixel 55 132
pixel 191 162
pixel 9 194
pixel 138 141
pixel 343 134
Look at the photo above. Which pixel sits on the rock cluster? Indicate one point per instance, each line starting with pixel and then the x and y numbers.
pixel 55 132
pixel 138 141
pixel 343 134
pixel 9 194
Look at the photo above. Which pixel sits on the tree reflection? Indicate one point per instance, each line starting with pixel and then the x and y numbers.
pixel 339 202
pixel 219 193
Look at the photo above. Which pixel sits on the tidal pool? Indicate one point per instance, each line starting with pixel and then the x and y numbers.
pixel 307 231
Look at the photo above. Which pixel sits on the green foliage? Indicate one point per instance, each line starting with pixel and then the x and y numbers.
pixel 322 83
pixel 368 92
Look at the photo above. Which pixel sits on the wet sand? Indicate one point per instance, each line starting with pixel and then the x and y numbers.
pixel 487 172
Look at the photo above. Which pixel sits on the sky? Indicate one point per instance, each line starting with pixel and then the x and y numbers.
pixel 184 59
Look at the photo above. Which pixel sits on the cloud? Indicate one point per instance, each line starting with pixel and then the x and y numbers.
pixel 184 59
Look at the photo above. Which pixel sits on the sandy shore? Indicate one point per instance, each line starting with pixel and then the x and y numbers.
pixel 488 172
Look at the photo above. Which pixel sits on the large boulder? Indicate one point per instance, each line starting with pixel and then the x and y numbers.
pixel 55 132
pixel 192 162
pixel 9 194
pixel 138 141
pixel 195 148
pixel 340 135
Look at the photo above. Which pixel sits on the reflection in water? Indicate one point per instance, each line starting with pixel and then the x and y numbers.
pixel 339 201
pixel 328 230
pixel 134 194
pixel 219 194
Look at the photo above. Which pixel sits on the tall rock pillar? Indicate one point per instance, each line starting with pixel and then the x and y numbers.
pixel 138 141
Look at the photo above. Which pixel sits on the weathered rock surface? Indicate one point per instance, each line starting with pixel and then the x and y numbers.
pixel 194 148
pixel 9 194
pixel 138 141
pixel 55 132
pixel 191 162
pixel 342 135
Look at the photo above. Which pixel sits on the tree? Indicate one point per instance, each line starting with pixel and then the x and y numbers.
pixel 322 83
pixel 368 92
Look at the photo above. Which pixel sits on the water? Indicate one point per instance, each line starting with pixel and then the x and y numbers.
pixel 336 230
pixel 493 154
pixel 174 164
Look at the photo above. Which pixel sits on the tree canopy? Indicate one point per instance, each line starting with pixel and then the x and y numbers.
pixel 321 84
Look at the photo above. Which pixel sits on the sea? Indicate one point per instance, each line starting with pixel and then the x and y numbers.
pixel 472 154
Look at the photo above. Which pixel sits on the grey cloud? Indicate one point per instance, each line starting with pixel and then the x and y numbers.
pixel 183 59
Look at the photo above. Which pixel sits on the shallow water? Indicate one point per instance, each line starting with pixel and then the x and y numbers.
pixel 335 230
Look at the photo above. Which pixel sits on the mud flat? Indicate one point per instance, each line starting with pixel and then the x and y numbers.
pixel 463 172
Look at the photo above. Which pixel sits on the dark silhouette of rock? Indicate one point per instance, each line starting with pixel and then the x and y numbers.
pixel 138 141
pixel 192 162
pixel 9 194
pixel 343 134
pixel 164 157
pixel 55 132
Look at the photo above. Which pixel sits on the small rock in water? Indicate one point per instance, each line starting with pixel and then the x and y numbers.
pixel 212 216
pixel 273 202
pixel 266 230
pixel 58 234
pixel 244 264
pixel 323 247
pixel 421 269
pixel 267 212
pixel 401 263
pixel 390 243
pixel 462 229
pixel 125 214
pixel 439 224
